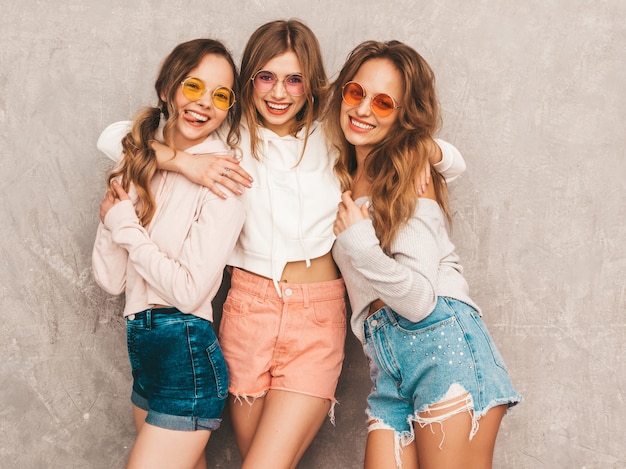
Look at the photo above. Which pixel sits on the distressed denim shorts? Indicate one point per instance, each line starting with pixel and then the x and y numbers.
pixel 292 342
pixel 414 366
pixel 179 373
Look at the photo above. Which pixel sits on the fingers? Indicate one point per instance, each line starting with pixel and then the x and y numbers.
pixel 215 188
pixel 227 166
pixel 346 197
pixel 235 173
pixel 365 209
pixel 422 179
pixel 349 213
pixel 428 173
pixel 119 191
pixel 230 179
pixel 231 175
pixel 107 202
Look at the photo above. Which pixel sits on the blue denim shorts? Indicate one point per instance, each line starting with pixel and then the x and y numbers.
pixel 414 366
pixel 179 373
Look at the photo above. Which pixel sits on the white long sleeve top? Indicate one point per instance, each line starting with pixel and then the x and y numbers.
pixel 178 260
pixel 291 204
pixel 423 265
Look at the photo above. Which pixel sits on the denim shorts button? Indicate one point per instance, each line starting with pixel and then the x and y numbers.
pixel 131 317
pixel 288 292
pixel 374 322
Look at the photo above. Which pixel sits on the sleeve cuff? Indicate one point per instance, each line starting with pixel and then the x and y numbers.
pixel 110 140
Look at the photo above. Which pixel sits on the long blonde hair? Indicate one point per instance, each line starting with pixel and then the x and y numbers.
pixel 273 39
pixel 392 165
pixel 139 163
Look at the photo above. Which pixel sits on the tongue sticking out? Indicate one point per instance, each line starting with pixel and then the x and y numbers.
pixel 195 117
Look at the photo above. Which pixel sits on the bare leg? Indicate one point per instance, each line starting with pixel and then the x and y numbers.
pixel 283 428
pixel 164 444
pixel 447 444
pixel 380 451
pixel 139 416
pixel 245 419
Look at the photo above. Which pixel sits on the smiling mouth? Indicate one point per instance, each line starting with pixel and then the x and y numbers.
pixel 197 117
pixel 361 125
pixel 277 107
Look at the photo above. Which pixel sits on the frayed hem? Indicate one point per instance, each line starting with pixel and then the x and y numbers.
pixel 400 439
pixel 250 399
pixel 457 398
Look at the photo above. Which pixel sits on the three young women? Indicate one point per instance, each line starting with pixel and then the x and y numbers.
pixel 284 320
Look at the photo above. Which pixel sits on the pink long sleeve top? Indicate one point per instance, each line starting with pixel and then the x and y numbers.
pixel 178 260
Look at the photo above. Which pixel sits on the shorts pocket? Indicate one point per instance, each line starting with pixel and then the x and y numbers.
pixel 330 313
pixel 480 324
pixel 235 307
pixel 220 371
pixel 133 350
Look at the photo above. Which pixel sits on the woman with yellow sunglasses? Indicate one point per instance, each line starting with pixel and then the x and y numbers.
pixel 163 241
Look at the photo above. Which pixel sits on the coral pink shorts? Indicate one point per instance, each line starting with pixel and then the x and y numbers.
pixel 293 342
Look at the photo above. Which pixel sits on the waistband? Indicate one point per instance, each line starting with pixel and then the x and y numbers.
pixel 378 319
pixel 289 292
pixel 153 317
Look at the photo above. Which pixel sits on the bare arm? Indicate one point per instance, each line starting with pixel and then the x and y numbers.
pixel 204 169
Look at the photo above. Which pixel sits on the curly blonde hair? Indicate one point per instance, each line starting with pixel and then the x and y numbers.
pixel 393 164
pixel 139 164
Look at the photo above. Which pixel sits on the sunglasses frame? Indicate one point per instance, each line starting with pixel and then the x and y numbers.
pixel 206 90
pixel 283 81
pixel 372 98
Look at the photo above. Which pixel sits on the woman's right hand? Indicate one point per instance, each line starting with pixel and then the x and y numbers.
pixel 205 169
pixel 113 196
pixel 208 169
pixel 349 213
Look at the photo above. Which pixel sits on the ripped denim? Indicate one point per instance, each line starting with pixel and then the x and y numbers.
pixel 448 357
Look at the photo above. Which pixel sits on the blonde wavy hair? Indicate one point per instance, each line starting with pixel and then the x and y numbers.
pixel 273 39
pixel 393 164
pixel 139 164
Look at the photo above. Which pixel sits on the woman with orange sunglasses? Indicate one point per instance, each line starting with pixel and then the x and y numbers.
pixel 439 385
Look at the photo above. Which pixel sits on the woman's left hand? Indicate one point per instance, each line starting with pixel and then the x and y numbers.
pixel 112 197
pixel 422 180
pixel 348 213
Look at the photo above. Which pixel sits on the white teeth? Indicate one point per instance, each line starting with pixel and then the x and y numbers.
pixel 197 116
pixel 361 125
pixel 278 107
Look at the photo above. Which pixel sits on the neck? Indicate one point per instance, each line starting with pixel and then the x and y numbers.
pixel 360 183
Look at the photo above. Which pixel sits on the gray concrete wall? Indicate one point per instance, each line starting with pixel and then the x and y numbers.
pixel 533 95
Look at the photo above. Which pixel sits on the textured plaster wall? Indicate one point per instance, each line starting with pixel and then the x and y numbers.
pixel 532 94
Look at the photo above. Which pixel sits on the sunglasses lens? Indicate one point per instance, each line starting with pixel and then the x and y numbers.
pixel 193 89
pixel 264 81
pixel 223 98
pixel 294 84
pixel 352 93
pixel 383 105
